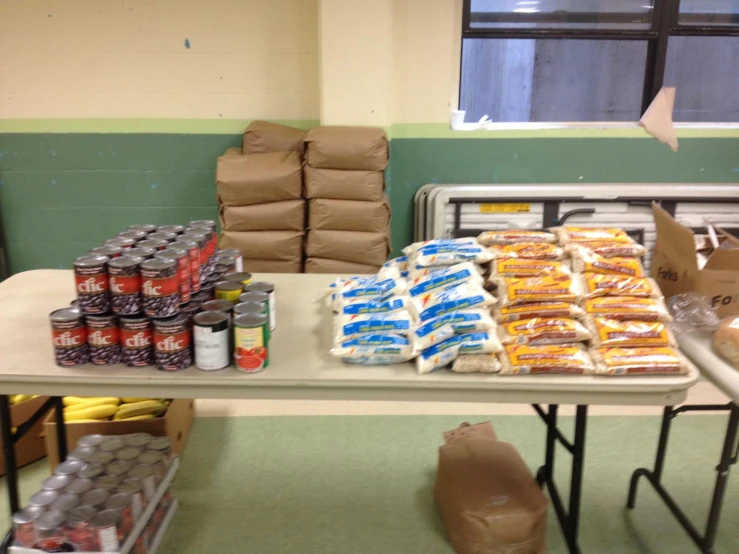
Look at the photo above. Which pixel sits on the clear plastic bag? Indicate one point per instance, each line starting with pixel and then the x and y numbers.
pixel 693 312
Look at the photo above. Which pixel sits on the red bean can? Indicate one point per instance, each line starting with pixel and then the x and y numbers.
pixel 202 239
pixel 103 339
pixel 23 526
pixel 136 338
pixel 183 269
pixel 160 287
pixel 135 488
pixel 176 229
pixel 234 253
pixel 121 242
pixel 152 243
pixel 122 502
pixel 208 226
pixel 78 528
pixel 163 235
pixel 106 527
pixel 134 234
pixel 193 253
pixel 141 252
pixel 69 337
pixel 109 251
pixel 172 340
pixel 124 278
pixel 91 280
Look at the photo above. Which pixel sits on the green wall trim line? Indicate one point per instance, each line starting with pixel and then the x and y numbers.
pixel 154 126
pixel 395 131
pixel 442 131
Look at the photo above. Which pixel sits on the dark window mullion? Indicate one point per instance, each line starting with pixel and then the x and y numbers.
pixel 665 16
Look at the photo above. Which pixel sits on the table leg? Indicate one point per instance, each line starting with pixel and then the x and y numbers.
pixel 706 542
pixel 11 469
pixel 61 429
pixel 569 520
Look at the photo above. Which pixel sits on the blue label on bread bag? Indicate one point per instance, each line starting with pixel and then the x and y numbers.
pixel 471 343
pixel 380 323
pixel 440 279
pixel 462 322
pixel 428 328
pixel 373 307
pixel 450 306
pixel 376 340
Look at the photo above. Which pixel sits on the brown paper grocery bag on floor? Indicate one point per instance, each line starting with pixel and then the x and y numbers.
pixel 488 499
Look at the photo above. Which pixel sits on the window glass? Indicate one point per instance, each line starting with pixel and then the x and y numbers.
pixel 551 80
pixel 561 14
pixel 709 12
pixel 705 71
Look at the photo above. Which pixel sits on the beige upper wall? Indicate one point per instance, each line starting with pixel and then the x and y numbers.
pixel 90 58
pixel 381 62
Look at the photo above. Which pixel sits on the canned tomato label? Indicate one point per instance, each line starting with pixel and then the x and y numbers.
pixel 234 253
pixel 69 337
pixel 91 280
pixel 183 269
pixel 124 279
pixel 228 290
pixel 103 339
pixel 172 344
pixel 136 341
pixel 211 333
pixel 251 348
pixel 160 287
pixel 193 254
pixel 269 290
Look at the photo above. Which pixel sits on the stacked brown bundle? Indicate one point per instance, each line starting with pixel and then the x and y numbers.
pixel 348 211
pixel 260 198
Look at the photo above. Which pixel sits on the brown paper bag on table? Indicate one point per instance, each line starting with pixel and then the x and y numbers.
pixel 488 499
pixel 348 246
pixel 349 215
pixel 262 137
pixel 322 265
pixel 274 216
pixel 274 266
pixel 259 178
pixel 675 266
pixel 331 147
pixel 265 245
pixel 344 184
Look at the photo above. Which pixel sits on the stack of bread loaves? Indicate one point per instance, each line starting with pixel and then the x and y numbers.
pixel 260 198
pixel 348 212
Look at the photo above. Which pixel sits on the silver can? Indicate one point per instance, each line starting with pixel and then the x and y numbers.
pixel 211 334
pixel 56 482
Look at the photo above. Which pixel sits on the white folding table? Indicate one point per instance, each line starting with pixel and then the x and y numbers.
pixel 300 368
pixel 698 348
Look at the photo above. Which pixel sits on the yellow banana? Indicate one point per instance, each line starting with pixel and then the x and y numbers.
pixel 92 403
pixel 95 412
pixel 18 398
pixel 70 401
pixel 84 421
pixel 129 400
pixel 126 411
pixel 143 417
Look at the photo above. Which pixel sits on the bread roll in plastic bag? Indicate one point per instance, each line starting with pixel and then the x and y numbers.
pixel 513 236
pixel 537 309
pixel 608 248
pixel 522 267
pixel 627 307
pixel 558 287
pixel 585 261
pixel 528 250
pixel 621 333
pixel 640 361
pixel 569 234
pixel 526 359
pixel 543 331
pixel 726 340
pixel 614 285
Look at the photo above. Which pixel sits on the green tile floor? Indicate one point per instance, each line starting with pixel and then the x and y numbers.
pixel 362 484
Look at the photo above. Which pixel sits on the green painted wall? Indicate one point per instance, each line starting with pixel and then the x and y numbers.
pixel 61 194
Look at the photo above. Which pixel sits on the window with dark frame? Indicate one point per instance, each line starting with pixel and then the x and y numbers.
pixel 598 60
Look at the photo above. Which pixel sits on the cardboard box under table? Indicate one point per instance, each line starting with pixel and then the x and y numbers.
pixel 32 446
pixel 174 424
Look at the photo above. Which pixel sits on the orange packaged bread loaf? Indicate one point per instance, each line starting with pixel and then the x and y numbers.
pixel 524 359
pixel 568 234
pixel 586 261
pixel 519 290
pixel 628 307
pixel 537 309
pixel 613 332
pixel 513 236
pixel 528 250
pixel 521 267
pixel 608 248
pixel 615 285
pixel 640 361
pixel 543 331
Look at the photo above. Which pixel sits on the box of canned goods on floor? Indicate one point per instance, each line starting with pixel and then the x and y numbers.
pixel 174 424
pixel 111 494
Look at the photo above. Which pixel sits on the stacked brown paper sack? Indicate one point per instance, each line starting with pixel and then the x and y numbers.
pixel 262 211
pixel 348 212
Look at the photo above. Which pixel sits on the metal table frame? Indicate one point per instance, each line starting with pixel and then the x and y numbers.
pixel 729 453
pixel 11 438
